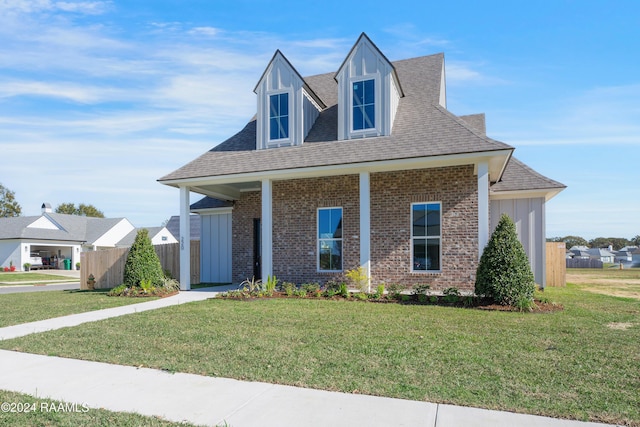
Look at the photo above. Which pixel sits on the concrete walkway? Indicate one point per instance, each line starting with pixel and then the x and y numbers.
pixel 214 401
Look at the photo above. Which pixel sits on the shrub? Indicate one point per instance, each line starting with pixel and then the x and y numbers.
pixel 451 295
pixel 270 285
pixel 343 290
pixel 419 288
pixel 359 278
pixel 289 288
pixel 379 291
pixel 504 273
pixel 142 262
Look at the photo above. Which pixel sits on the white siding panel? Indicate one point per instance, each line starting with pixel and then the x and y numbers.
pixel 528 215
pixel 215 250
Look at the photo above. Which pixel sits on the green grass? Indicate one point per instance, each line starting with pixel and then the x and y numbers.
pixel 580 363
pixel 43 416
pixel 12 278
pixel 32 306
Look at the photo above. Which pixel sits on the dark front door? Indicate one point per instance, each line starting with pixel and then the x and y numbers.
pixel 257 248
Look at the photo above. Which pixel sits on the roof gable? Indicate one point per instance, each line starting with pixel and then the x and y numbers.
pixel 44 223
pixel 422 129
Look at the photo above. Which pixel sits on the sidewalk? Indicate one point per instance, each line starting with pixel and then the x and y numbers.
pixel 213 401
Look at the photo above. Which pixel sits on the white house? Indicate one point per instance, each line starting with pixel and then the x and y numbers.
pixel 50 239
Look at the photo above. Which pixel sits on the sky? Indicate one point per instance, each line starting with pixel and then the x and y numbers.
pixel 99 99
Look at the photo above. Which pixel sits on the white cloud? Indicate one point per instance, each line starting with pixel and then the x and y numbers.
pixel 36 6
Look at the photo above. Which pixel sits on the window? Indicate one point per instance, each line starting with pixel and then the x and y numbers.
pixel 279 116
pixel 330 239
pixel 364 104
pixel 426 236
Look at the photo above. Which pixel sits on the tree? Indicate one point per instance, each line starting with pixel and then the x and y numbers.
pixel 81 210
pixel 504 273
pixel 9 207
pixel 605 242
pixel 635 240
pixel 142 262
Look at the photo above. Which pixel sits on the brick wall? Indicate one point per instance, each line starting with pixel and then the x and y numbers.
pixel 295 204
pixel 392 194
pixel 245 210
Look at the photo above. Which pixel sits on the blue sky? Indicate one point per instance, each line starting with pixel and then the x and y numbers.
pixel 99 99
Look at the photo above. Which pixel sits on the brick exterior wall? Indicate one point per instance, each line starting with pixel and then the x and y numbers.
pixel 295 244
pixel 392 194
pixel 245 210
pixel 295 204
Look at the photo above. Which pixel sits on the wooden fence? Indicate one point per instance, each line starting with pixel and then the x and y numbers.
pixel 584 263
pixel 107 266
pixel 556 266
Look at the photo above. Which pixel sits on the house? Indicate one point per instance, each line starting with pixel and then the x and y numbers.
pixel 46 240
pixel 361 167
pixel 579 252
pixel 158 236
pixel 603 255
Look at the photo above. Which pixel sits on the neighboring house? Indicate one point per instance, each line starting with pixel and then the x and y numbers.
pixel 625 255
pixel 158 236
pixel 362 167
pixel 579 252
pixel 45 240
pixel 603 255
pixel 635 254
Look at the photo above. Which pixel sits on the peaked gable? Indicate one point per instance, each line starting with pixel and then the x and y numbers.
pixel 368 92
pixel 287 106
pixel 44 222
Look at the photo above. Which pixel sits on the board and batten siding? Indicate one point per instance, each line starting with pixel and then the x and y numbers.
pixel 215 248
pixel 529 216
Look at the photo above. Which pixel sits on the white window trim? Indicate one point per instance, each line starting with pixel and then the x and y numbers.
pixel 425 237
pixel 282 141
pixel 374 131
pixel 318 239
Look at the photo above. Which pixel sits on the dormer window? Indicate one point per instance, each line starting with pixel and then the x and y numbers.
pixel 368 92
pixel 279 116
pixel 287 106
pixel 364 104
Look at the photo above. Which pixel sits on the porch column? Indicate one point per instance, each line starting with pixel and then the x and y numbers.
pixel 185 240
pixel 365 225
pixel 483 206
pixel 267 229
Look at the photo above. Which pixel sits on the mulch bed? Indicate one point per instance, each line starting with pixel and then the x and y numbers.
pixel 477 303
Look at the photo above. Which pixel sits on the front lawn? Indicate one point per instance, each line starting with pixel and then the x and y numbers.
pixel 32 306
pixel 580 363
pixel 43 412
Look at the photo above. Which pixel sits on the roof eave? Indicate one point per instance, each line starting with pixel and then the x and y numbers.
pixel 547 193
pixel 496 159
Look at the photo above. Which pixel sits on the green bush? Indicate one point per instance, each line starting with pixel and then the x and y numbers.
pixel 504 273
pixel 142 262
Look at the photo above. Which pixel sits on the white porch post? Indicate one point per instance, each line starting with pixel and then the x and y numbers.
pixel 185 240
pixel 267 229
pixel 365 225
pixel 483 206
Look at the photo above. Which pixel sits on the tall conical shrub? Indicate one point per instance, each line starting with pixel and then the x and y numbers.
pixel 504 273
pixel 142 262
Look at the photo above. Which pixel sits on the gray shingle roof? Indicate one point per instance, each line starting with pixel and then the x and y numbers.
pixel 131 237
pixel 74 228
pixel 517 177
pixel 173 225
pixel 422 128
pixel 210 203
